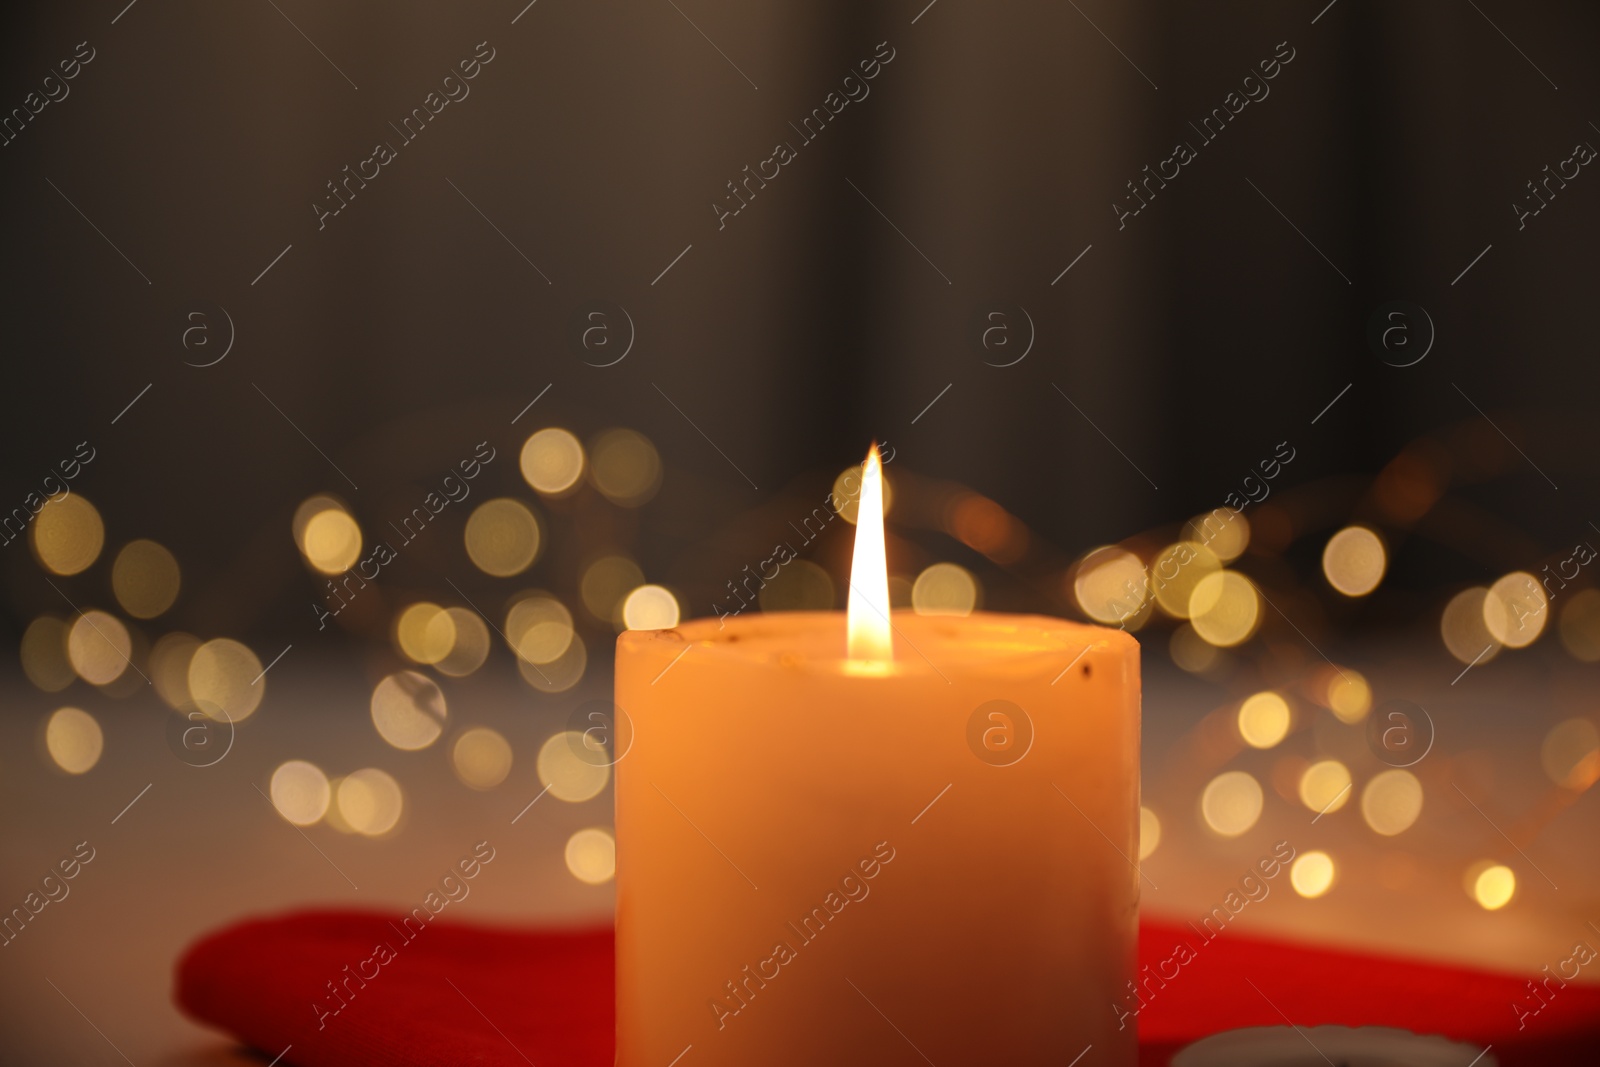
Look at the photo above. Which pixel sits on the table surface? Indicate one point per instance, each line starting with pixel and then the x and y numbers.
pixel 89 979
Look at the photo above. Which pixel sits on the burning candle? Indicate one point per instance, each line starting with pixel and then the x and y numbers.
pixel 876 838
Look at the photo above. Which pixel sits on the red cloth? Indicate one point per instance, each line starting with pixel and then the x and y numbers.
pixel 458 994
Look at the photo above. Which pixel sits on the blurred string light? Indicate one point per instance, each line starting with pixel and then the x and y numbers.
pixel 1111 586
pixel 944 589
pixel 98 647
pixel 1149 832
pixel 591 856
pixel 1347 694
pixel 300 792
pixel 1176 570
pixel 226 680
pixel 804 586
pixel 481 758
pixel 73 739
pixel 1225 608
pixel 44 654
pixel 1325 786
pixel 1312 874
pixel 552 461
pixel 1354 561
pixel 1264 720
pixel 408 710
pixel 1570 754
pixel 1231 803
pixel 1515 610
pixel 67 535
pixel 559 674
pixel 1462 627
pixel 169 667
pixel 565 773
pixel 145 579
pixel 1491 885
pixel 986 527
pixel 425 632
pixel 370 801
pixel 1580 625
pixel 605 582
pixel 1391 802
pixel 502 537
pixel 469 646
pixel 625 467
pixel 538 628
pixel 847 493
pixel 650 607
pixel 1225 532
pixel 1192 652
pixel 327 535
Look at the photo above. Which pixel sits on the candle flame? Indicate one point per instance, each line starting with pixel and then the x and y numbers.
pixel 867 611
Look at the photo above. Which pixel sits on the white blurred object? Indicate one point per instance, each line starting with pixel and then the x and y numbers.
pixel 1367 1046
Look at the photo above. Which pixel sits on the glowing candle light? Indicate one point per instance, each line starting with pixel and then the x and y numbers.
pixel 826 821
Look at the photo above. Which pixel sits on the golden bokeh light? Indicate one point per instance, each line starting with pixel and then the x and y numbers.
pixel 481 758
pixel 1149 832
pixel 1391 802
pixel 145 579
pixel 650 607
pixel 1225 532
pixel 1231 803
pixel 169 668
pixel 73 739
pixel 226 680
pixel 1192 652
pixel 1354 561
pixel 1580 625
pixel 1225 608
pixel 1312 874
pixel 425 632
pixel 1491 885
pixel 44 654
pixel 1463 629
pixel 370 801
pixel 560 674
pixel 565 773
pixel 1325 786
pixel 98 646
pixel 67 535
pixel 625 467
pixel 605 582
pixel 1264 720
pixel 300 792
pixel 944 589
pixel 846 497
pixel 1515 610
pixel 470 646
pixel 408 710
pixel 538 628
pixel 592 856
pixel 1349 694
pixel 804 586
pixel 502 537
pixel 1570 754
pixel 1111 585
pixel 552 461
pixel 329 537
pixel 1176 570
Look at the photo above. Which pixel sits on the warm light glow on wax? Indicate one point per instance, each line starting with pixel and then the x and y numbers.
pixel 867 612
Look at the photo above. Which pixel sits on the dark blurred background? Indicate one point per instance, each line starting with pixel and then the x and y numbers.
pixel 850 293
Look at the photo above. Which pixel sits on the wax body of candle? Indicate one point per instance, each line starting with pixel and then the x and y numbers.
pixel 822 861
